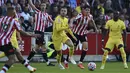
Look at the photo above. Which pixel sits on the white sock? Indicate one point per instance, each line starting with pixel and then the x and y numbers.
pixel 48 62
pixel 27 60
pixel 80 62
pixel 29 67
pixel 65 62
pixel 2 71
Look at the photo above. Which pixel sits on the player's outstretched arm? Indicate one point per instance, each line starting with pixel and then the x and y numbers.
pixel 124 37
pixel 94 25
pixel 32 5
pixel 104 33
pixel 29 34
pixel 71 33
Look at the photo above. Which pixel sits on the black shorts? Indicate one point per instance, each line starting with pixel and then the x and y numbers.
pixel 81 38
pixel 7 49
pixel 40 40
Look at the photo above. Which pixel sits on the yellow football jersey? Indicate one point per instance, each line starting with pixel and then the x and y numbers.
pixel 59 27
pixel 115 28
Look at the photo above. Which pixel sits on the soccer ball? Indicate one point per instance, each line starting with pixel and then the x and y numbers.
pixel 91 66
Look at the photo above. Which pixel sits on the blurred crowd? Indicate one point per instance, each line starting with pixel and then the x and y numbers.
pixel 102 10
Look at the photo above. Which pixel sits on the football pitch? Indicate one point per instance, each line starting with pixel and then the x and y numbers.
pixel 111 67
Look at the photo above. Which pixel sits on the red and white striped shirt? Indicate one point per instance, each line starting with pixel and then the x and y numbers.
pixel 80 28
pixel 42 20
pixel 7 27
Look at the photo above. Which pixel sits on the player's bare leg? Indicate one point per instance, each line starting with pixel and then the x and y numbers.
pixel 24 62
pixel 84 50
pixel 59 55
pixel 32 53
pixel 9 63
pixel 71 50
pixel 123 55
pixel 44 54
pixel 104 58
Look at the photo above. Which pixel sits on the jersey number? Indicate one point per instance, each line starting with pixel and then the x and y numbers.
pixel 4 27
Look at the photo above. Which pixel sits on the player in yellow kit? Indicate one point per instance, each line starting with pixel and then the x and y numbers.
pixel 115 27
pixel 59 37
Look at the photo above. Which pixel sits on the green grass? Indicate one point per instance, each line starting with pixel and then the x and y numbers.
pixel 111 67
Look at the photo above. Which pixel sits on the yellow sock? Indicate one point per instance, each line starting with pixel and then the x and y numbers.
pixel 123 54
pixel 104 57
pixel 71 51
pixel 59 58
pixel 2 55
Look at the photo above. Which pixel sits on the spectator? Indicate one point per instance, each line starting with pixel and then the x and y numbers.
pixel 18 11
pixel 31 24
pixel 108 5
pixel 22 4
pixel 127 24
pixel 24 26
pixel 2 3
pixel 78 8
pixel 8 4
pixel 72 3
pixel 25 14
pixel 101 8
pixel 118 4
pixel 37 4
pixel 61 3
pixel 99 28
pixel 109 15
pixel 54 11
pixel 16 4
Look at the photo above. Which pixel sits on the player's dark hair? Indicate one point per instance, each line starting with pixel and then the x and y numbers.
pixel 63 7
pixel 116 12
pixel 85 7
pixel 116 15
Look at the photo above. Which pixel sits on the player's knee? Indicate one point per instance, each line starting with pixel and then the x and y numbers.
pixel 76 43
pixel 44 50
pixel 85 45
pixel 59 53
pixel 71 46
pixel 120 46
pixel 34 50
pixel 107 49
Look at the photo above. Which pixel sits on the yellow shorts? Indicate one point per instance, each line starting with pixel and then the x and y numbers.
pixel 59 42
pixel 14 41
pixel 113 42
pixel 15 44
